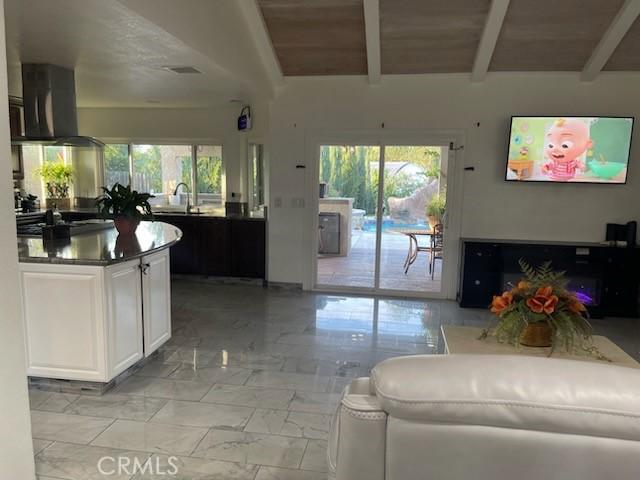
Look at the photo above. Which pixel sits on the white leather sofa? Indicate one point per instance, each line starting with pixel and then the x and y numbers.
pixel 488 417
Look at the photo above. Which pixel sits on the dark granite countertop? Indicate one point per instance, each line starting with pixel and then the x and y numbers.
pixel 100 248
pixel 164 213
pixel 560 243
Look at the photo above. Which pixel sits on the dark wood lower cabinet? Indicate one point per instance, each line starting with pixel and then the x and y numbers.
pixel 247 248
pixel 221 247
pixel 215 249
pixel 184 255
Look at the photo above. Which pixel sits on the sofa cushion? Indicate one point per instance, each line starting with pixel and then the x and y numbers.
pixel 547 394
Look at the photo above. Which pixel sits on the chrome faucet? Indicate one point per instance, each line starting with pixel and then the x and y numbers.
pixel 186 187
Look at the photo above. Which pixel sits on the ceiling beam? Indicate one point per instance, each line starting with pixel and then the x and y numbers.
pixel 489 38
pixel 372 35
pixel 262 40
pixel 610 40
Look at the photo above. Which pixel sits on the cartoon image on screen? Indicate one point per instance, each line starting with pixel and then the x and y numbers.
pixel 569 149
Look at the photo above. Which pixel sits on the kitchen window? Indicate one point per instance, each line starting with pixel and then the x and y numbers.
pixel 256 176
pixel 159 169
pixel 209 175
pixel 33 157
pixel 116 164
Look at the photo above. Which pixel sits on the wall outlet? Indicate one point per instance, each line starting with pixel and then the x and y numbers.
pixel 277 202
pixel 297 202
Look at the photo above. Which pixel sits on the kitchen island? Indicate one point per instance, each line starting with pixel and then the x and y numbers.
pixel 213 244
pixel 97 303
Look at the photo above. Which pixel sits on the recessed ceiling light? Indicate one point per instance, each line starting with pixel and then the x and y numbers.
pixel 182 69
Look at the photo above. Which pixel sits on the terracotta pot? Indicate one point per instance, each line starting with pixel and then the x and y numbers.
pixel 61 203
pixel 537 334
pixel 433 221
pixel 126 225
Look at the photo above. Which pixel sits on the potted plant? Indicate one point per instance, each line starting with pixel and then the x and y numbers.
pixel 541 312
pixel 57 178
pixel 435 209
pixel 126 206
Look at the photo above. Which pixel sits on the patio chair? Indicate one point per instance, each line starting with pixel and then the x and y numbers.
pixel 436 248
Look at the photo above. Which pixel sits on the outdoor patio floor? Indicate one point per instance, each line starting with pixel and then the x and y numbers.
pixel 357 269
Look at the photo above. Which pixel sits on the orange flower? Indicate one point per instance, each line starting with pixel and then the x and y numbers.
pixel 543 301
pixel 576 305
pixel 522 285
pixel 544 291
pixel 500 303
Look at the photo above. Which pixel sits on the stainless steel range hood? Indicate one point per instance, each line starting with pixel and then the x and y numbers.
pixel 49 98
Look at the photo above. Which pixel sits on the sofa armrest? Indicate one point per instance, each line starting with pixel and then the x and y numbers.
pixel 357 439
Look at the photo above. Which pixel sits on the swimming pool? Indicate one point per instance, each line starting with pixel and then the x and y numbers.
pixel 369 225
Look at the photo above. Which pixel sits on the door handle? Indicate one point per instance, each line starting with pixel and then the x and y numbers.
pixel 144 267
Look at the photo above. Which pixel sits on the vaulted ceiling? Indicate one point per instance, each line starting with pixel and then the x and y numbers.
pixel 328 37
pixel 243 48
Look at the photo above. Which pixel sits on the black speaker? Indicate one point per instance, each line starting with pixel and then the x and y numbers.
pixel 626 233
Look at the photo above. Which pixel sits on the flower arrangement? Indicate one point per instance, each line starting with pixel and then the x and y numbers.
pixel 540 311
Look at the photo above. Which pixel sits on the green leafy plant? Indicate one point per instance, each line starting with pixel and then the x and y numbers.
pixel 542 296
pixel 57 178
pixel 121 201
pixel 436 206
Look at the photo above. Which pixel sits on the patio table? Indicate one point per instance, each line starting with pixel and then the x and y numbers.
pixel 414 246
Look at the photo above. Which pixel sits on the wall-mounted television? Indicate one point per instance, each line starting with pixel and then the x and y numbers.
pixel 569 149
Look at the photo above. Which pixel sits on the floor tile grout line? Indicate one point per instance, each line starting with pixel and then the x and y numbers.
pixel 104 430
pixel 306 447
pixel 198 443
pixel 52 442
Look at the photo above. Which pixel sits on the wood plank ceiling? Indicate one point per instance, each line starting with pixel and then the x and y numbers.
pixel 327 37
pixel 430 36
pixel 551 35
pixel 317 37
pixel 627 56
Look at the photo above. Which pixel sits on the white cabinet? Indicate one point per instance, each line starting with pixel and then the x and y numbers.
pixel 124 315
pixel 92 322
pixel 63 309
pixel 156 298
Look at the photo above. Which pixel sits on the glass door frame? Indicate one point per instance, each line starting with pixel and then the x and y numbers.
pixel 455 170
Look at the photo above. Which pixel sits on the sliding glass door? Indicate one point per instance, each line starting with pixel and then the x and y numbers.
pixel 381 218
pixel 346 215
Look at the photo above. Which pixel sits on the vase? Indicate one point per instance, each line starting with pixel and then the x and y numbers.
pixel 126 226
pixel 538 334
pixel 59 203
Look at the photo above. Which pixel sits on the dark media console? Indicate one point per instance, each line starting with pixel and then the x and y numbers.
pixel 605 278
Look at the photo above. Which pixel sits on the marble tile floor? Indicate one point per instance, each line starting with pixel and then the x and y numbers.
pixel 246 387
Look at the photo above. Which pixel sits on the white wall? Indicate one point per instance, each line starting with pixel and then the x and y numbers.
pixel 491 207
pixel 16 450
